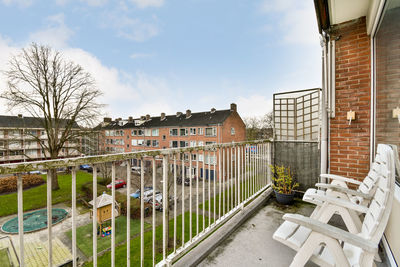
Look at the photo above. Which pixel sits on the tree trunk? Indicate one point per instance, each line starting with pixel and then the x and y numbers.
pixel 54 180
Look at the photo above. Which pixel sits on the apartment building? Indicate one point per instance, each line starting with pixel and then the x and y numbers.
pixel 174 131
pixel 18 140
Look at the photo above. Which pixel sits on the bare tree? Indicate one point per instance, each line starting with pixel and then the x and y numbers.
pixel 59 93
pixel 259 127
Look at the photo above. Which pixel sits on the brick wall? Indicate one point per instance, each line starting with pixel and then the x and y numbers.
pixel 349 144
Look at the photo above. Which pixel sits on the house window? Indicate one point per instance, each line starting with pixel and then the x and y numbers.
pixel 134 132
pixel 140 133
pixel 232 131
pixel 192 131
pixel 155 143
pixel 164 137
pixel 173 144
pixel 194 156
pixel 200 131
pixel 1 143
pixel 210 143
pixel 140 142
pixel 134 142
pixel 183 132
pixel 212 131
pixel 192 143
pixel 148 142
pixel 2 153
pixel 154 132
pixel 183 144
pixel 147 132
pixel 201 143
pixel 173 132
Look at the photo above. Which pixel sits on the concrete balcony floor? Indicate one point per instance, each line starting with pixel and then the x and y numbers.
pixel 252 243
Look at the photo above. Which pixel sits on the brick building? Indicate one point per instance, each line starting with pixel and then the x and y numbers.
pixel 361 84
pixel 173 131
pixel 20 137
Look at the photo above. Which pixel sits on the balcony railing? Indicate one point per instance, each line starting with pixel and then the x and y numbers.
pixel 216 191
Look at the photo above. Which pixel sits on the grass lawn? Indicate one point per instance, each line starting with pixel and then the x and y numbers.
pixel 5 261
pixel 35 198
pixel 84 237
pixel 231 191
pixel 120 252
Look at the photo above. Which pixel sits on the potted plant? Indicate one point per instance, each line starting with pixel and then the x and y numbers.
pixel 283 184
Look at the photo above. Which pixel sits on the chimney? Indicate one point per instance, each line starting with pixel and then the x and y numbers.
pixel 130 119
pixel 233 107
pixel 162 116
pixel 178 114
pixel 188 113
pixel 142 118
pixel 19 115
pixel 119 119
pixel 147 117
pixel 213 110
pixel 106 119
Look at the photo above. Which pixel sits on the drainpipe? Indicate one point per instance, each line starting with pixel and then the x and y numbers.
pixel 324 114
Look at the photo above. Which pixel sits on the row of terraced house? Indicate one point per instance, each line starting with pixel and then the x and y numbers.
pixel 175 131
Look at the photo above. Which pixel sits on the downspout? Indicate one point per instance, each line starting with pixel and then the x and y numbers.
pixel 324 113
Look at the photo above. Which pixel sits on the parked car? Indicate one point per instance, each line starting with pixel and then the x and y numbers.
pixel 118 184
pixel 159 201
pixel 136 194
pixel 138 170
pixel 86 167
pixel 37 172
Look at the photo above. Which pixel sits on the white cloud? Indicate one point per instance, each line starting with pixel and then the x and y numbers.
pixel 140 55
pixel 61 2
pixel 148 3
pixel 56 34
pixel 295 19
pixel 134 29
pixel 20 3
pixel 253 105
pixel 95 2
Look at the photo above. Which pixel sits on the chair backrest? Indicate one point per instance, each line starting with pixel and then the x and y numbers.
pixel 378 213
pixel 369 184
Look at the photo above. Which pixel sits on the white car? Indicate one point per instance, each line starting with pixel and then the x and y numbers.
pixel 138 170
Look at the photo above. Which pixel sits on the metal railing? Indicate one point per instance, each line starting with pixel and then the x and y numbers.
pixel 216 190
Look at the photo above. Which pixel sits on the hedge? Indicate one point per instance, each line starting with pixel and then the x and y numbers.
pixel 9 184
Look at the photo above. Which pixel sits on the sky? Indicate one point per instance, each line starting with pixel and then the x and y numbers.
pixel 153 56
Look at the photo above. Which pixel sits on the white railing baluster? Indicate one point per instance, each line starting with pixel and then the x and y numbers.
pixel 49 217
pixel 20 219
pixel 141 211
pixel 183 199
pixel 231 156
pixel 154 213
pixel 175 202
pixel 94 221
pixel 223 181
pixel 190 195
pixel 228 182
pixel 209 188
pixel 215 179
pixel 197 192
pixel 113 215
pixel 236 176
pixel 128 213
pixel 74 255
pixel 204 188
pixel 239 174
pixel 219 183
pixel 165 207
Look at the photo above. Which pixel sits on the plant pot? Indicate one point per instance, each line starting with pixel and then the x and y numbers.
pixel 285 199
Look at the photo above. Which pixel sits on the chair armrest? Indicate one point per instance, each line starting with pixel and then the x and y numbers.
pixel 344 190
pixel 332 231
pixel 340 178
pixel 341 202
